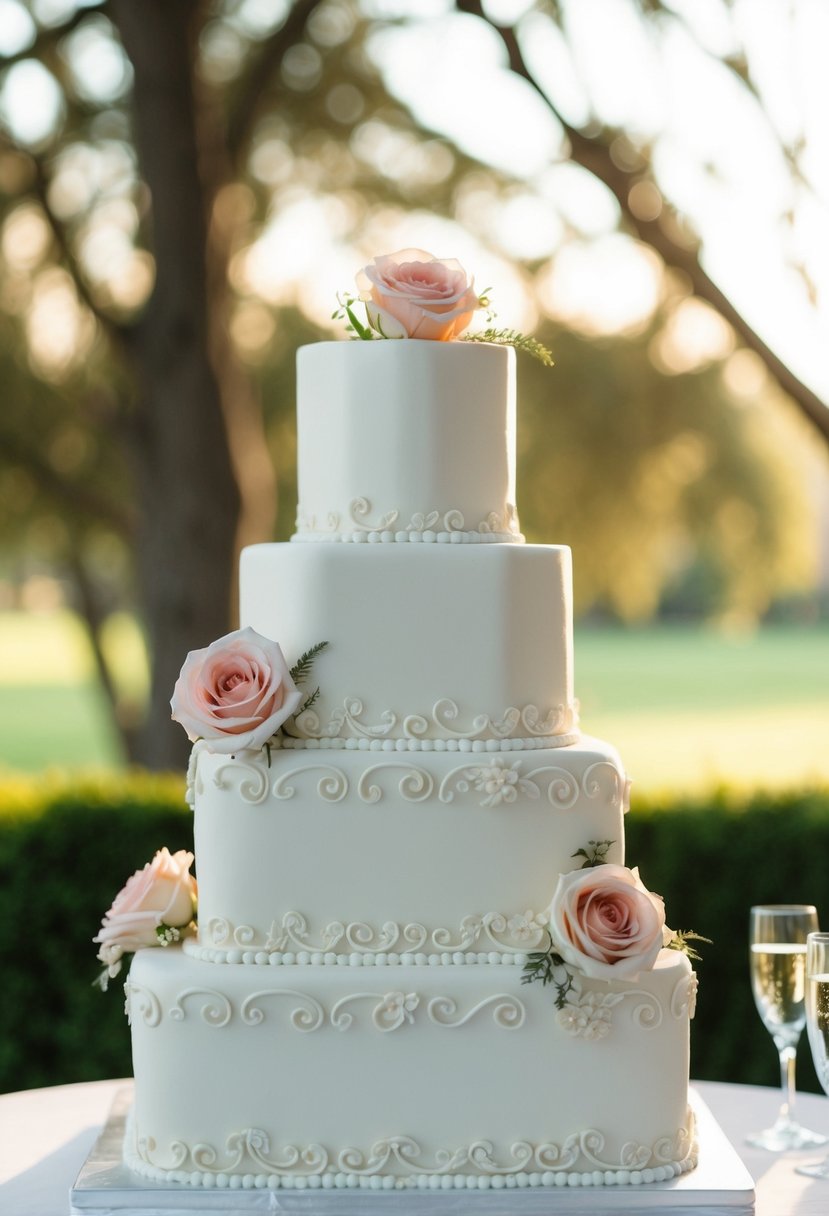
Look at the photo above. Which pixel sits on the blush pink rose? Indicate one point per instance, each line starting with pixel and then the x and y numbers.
pixel 606 923
pixel 236 693
pixel 162 894
pixel 411 294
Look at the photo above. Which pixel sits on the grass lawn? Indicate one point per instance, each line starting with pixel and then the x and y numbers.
pixel 688 706
pixel 685 706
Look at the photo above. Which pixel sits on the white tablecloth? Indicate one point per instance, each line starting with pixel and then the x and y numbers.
pixel 46 1135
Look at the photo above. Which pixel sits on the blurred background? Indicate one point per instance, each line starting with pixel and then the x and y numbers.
pixel 186 187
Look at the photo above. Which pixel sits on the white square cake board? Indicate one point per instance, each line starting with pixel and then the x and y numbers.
pixel 719 1186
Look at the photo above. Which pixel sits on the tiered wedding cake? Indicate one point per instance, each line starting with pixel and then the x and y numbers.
pixel 371 883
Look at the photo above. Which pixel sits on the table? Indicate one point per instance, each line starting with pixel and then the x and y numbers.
pixel 46 1134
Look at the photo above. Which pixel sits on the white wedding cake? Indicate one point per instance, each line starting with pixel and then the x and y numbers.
pixel 375 882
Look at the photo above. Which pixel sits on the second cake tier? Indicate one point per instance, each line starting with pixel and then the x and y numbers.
pixel 432 644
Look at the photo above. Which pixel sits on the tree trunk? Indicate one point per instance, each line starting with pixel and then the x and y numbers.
pixel 188 498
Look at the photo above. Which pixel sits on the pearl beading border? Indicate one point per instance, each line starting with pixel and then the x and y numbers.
pixel 536 743
pixel 428 537
pixel 320 958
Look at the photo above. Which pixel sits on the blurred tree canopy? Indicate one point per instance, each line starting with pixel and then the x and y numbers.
pixel 147 361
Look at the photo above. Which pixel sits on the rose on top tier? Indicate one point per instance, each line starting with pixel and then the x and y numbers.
pixel 606 923
pixel 411 294
pixel 160 897
pixel 236 693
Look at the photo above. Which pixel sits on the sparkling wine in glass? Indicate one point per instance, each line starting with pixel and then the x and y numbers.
pixel 778 934
pixel 817 1023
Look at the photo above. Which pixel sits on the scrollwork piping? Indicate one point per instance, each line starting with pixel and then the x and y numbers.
pixel 216 1010
pixel 444 717
pixel 510 933
pixel 403 1158
pixel 364 522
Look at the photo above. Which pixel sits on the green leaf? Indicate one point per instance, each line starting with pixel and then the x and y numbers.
pixel 360 330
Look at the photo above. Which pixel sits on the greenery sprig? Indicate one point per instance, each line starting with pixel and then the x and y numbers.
pixel 346 313
pixel 681 941
pixel 548 967
pixel 512 337
pixel 302 669
pixel 595 854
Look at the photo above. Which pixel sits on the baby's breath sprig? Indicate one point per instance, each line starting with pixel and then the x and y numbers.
pixel 681 941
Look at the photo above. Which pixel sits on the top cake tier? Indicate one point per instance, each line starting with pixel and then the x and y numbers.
pixel 406 441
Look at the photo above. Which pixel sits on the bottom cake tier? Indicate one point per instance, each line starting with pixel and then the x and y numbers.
pixel 436 1071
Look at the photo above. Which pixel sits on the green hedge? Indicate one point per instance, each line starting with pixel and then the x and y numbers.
pixel 64 851
pixel 712 858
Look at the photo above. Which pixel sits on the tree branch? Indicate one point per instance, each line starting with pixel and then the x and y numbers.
pixel 253 88
pixel 592 152
pixel 117 332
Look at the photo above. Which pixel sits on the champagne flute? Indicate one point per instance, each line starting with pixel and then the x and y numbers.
pixel 817 1023
pixel 778 973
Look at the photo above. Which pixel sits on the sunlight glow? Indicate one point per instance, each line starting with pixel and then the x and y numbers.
pixel 17 30
pixel 489 112
pixel 25 238
pixel 693 336
pixel 31 103
pixel 58 332
pixel 608 286
pixel 100 70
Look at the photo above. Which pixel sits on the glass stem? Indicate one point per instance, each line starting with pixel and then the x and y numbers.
pixel 788 1056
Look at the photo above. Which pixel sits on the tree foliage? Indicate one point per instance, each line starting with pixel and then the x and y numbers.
pixel 148 363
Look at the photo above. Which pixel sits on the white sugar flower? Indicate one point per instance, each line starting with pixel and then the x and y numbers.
pixel 588 1016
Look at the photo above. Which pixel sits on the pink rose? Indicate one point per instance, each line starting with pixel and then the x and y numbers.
pixel 236 693
pixel 162 894
pixel 606 923
pixel 411 294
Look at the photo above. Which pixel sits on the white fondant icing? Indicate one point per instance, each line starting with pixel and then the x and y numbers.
pixel 396 820
pixel 413 438
pixel 393 614
pixel 603 1125
pixel 454 780
pixel 320 1031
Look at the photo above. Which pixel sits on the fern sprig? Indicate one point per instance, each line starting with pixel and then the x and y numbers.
pixel 308 702
pixel 511 337
pixel 301 670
